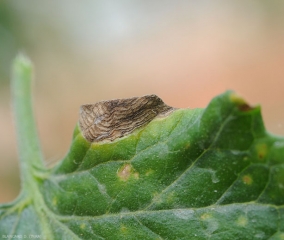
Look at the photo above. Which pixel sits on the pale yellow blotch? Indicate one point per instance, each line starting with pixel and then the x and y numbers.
pixel 157 199
pixel 83 226
pixel 136 175
pixel 149 172
pixel 155 194
pixel 261 150
pixel 206 216
pixel 54 201
pixel 247 179
pixel 171 197
pixel 242 221
pixel 236 99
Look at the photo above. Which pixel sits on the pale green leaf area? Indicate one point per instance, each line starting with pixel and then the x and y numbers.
pixel 212 173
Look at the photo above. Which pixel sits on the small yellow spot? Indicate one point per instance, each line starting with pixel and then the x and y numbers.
pixel 136 175
pixel 187 146
pixel 261 150
pixel 149 172
pixel 123 228
pixel 54 201
pixel 155 194
pixel 157 199
pixel 247 179
pixel 242 221
pixel 83 226
pixel 205 216
pixel 171 197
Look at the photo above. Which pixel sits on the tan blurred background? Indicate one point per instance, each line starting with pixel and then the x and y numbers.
pixel 186 52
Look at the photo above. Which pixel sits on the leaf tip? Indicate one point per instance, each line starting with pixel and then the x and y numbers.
pixel 22 61
pixel 242 105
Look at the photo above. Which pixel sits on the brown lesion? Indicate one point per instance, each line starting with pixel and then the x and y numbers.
pixel 245 107
pixel 125 172
pixel 109 120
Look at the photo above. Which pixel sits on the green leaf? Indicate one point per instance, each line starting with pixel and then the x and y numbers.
pixel 212 173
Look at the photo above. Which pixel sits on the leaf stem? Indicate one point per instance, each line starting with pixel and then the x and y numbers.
pixel 30 155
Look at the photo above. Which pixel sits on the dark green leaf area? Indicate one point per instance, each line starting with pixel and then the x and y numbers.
pixel 274 191
pixel 204 182
pixel 146 172
pixel 196 174
pixel 237 221
pixel 210 173
pixel 227 124
pixel 170 163
pixel 248 186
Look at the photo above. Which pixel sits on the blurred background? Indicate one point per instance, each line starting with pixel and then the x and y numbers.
pixel 186 52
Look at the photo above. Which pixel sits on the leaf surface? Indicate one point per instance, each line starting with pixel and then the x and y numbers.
pixel 212 173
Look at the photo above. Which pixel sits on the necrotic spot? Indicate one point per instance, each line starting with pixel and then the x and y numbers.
pixel 109 120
